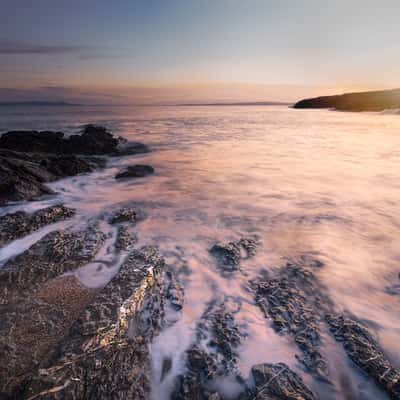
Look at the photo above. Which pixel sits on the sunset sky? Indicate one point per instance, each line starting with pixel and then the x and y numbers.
pixel 195 50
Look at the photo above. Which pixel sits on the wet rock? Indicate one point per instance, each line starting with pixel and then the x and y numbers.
pixel 125 239
pixel 23 175
pixel 294 302
pixel 279 382
pixel 127 215
pixel 365 352
pixel 135 171
pixel 230 254
pixel 56 253
pixel 21 179
pixel 106 355
pixel 19 224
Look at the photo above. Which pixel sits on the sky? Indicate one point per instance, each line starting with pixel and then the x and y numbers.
pixel 155 51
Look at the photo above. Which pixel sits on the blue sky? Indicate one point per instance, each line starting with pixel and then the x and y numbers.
pixel 127 47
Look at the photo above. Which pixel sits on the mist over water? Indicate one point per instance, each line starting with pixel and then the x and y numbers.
pixel 310 183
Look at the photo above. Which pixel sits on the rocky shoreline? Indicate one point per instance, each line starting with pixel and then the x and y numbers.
pixel 62 340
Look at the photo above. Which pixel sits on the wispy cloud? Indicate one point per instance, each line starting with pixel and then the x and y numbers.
pixel 15 48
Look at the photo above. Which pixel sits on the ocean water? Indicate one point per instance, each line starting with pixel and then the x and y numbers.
pixel 312 183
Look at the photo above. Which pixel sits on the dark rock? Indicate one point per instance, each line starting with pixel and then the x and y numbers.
pixel 135 171
pixel 127 215
pixel 100 359
pixel 22 180
pixel 33 141
pixel 279 382
pixel 93 140
pixel 294 302
pixel 364 101
pixel 19 224
pixel 23 175
pixel 230 254
pixel 365 352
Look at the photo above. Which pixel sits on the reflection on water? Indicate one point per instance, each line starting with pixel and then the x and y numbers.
pixel 306 182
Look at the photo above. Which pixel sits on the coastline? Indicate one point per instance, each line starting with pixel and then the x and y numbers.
pixel 83 333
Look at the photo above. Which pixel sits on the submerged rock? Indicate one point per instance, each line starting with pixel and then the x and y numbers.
pixel 294 302
pixel 230 254
pixel 279 382
pixel 106 356
pixel 365 352
pixel 19 224
pixel 135 171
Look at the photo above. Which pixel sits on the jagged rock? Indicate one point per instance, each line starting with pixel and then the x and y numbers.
pixel 294 302
pixel 58 252
pixel 19 224
pixel 230 254
pixel 31 327
pixel 201 369
pixel 127 215
pixel 204 365
pixel 106 355
pixel 279 382
pixel 135 171
pixel 125 240
pixel 365 352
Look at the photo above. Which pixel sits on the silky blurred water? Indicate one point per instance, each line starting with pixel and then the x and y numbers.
pixel 307 182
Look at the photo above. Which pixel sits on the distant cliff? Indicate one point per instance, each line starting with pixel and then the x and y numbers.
pixel 364 101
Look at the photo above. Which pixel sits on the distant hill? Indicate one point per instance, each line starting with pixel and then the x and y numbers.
pixel 363 101
pixel 248 103
pixel 36 103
